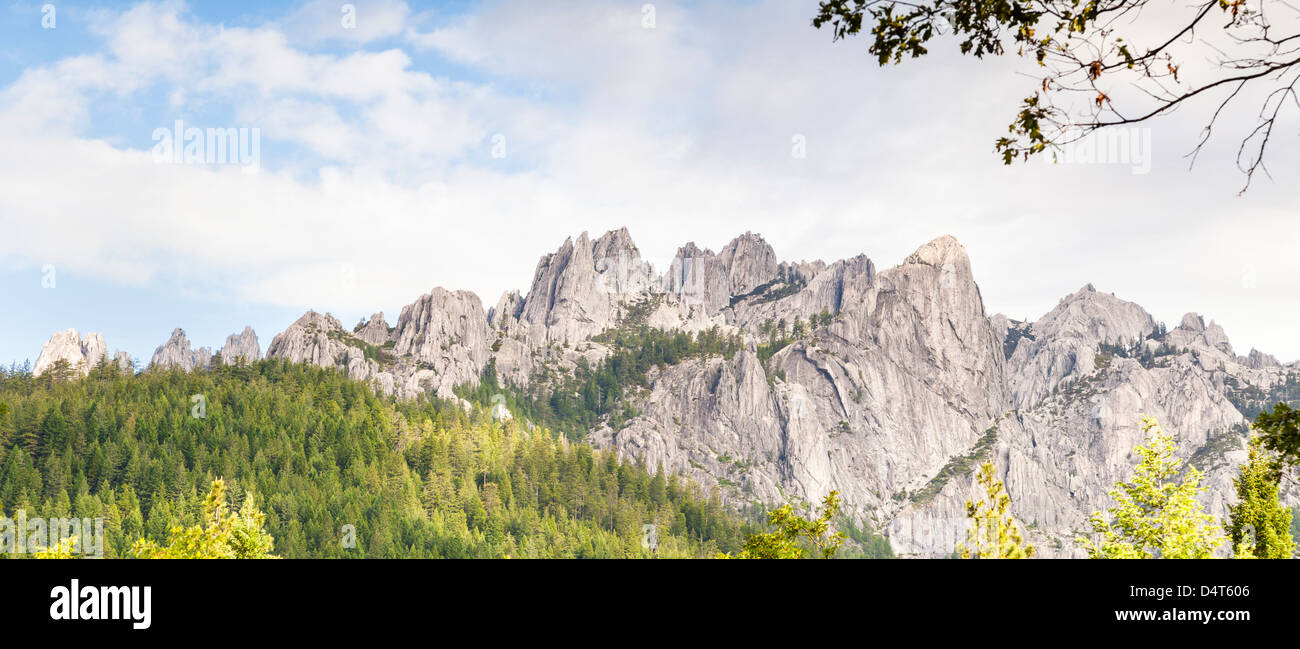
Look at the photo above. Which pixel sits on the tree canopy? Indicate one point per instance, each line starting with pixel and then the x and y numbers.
pixel 795 536
pixel 993 533
pixel 1154 516
pixel 1106 63
pixel 338 472
pixel 1258 524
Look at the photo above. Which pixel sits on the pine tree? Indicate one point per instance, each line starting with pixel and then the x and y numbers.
pixel 993 533
pixel 1153 516
pixel 248 538
pixel 1259 526
pixel 1279 432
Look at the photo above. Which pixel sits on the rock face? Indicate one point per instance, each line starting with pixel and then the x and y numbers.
pixel 1064 342
pixel 81 354
pixel 580 290
pixel 375 330
pixel 177 354
pixel 910 362
pixel 750 263
pixel 241 346
pixel 445 335
pixel 699 279
pixel 889 386
pixel 320 340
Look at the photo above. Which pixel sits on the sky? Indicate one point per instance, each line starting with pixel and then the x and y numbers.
pixel 402 147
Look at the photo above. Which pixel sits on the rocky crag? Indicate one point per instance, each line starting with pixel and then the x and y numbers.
pixel 890 386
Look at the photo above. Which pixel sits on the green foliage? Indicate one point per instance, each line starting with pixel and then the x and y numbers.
pixel 62 550
pixel 1279 432
pixel 904 29
pixel 419 478
pixel 1137 351
pixel 221 535
pixel 993 533
pixel 785 284
pixel 862 543
pixel 794 534
pixel 576 403
pixel 1154 517
pixel 1258 525
pixel 381 354
pixel 957 466
pixel 1034 28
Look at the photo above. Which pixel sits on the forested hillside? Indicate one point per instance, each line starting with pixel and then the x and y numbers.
pixel 416 478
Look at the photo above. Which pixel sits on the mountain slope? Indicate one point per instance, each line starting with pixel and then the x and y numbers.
pixel 778 381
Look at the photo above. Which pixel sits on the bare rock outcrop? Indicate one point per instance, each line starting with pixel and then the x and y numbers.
pixel 176 353
pixel 446 335
pixel 374 331
pixel 320 340
pixel 80 354
pixel 699 279
pixel 243 345
pixel 1063 344
pixel 889 386
pixel 580 290
pixel 750 263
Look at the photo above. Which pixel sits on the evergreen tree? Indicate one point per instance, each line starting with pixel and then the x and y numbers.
pixel 248 536
pixel 220 535
pixel 793 534
pixel 332 464
pixel 1259 526
pixel 1279 432
pixel 993 533
pixel 1154 517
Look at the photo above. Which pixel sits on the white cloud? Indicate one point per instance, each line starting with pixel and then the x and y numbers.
pixel 357 21
pixel 682 133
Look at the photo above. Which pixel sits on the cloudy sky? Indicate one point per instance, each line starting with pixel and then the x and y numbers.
pixel 402 147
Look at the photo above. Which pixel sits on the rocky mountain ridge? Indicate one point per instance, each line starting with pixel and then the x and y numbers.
pixel 889 386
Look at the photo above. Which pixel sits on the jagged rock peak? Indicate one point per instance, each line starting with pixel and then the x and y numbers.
pixel 1192 322
pixel 613 242
pixel 1063 344
pixel 1192 332
pixel 446 334
pixel 506 310
pixel 699 278
pixel 750 263
pixel 81 354
pixel 944 253
pixel 577 290
pixel 439 320
pixel 310 324
pixel 1257 360
pixel 177 353
pixel 1102 316
pixel 375 330
pixel 243 345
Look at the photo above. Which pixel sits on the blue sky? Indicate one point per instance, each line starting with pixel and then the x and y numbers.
pixel 454 143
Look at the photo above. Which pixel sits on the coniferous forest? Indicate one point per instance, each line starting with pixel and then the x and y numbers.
pixel 339 471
